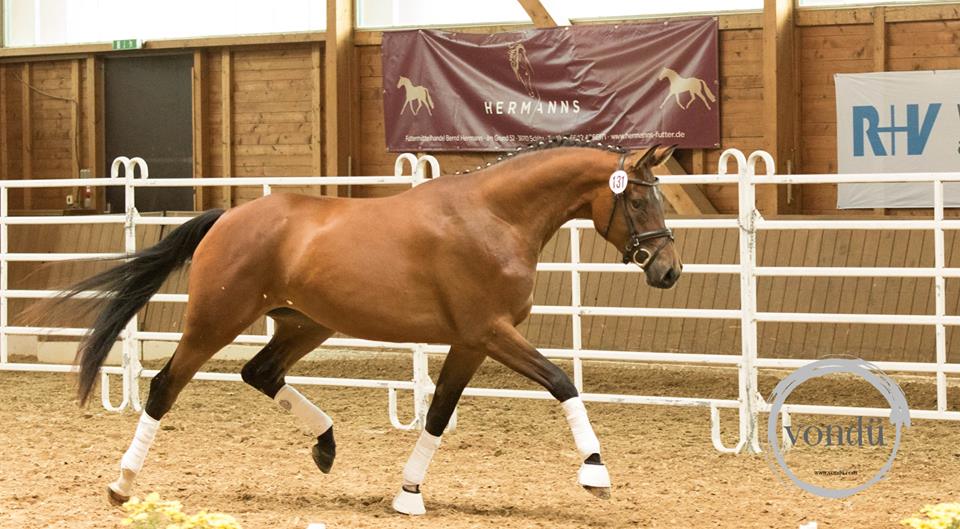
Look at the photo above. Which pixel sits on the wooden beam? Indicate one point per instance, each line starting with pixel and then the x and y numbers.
pixel 541 17
pixel 226 128
pixel 26 129
pixel 864 15
pixel 93 112
pixel 4 150
pixel 699 162
pixel 780 99
pixel 199 119
pixel 686 199
pixel 879 39
pixel 726 22
pixel 170 44
pixel 337 113
pixel 75 124
pixel 317 118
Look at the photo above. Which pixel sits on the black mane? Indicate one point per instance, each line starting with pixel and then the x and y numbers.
pixel 552 143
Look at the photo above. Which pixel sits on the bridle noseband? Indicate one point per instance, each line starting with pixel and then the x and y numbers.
pixel 633 247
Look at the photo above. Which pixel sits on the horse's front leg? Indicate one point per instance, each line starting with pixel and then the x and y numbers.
pixel 506 345
pixel 456 372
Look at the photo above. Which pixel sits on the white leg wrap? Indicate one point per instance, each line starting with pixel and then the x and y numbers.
pixel 311 416
pixel 132 461
pixel 134 457
pixel 583 436
pixel 416 467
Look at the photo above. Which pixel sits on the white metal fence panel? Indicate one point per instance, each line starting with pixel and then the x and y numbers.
pixel 749 221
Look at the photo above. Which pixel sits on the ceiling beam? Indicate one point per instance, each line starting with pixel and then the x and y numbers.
pixel 541 17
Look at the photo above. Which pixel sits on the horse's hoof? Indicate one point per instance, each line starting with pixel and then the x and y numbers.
pixel 601 492
pixel 409 503
pixel 595 479
pixel 325 451
pixel 115 497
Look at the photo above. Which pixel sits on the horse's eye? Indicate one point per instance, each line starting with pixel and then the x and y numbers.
pixel 636 203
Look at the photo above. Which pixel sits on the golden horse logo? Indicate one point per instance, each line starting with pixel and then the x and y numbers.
pixel 522 68
pixel 415 93
pixel 690 85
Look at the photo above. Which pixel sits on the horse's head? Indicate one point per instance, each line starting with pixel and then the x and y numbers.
pixel 633 220
pixel 663 74
pixel 401 81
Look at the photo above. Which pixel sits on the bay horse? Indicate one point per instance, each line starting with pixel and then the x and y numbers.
pixel 451 261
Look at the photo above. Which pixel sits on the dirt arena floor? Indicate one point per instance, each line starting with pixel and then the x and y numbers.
pixel 511 464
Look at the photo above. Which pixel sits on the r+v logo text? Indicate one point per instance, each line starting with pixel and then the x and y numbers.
pixel 868 130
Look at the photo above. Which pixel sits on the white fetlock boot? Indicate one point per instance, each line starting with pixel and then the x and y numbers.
pixel 595 479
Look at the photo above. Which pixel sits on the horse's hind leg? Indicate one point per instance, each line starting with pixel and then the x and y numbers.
pixel 208 328
pixel 296 335
pixel 456 372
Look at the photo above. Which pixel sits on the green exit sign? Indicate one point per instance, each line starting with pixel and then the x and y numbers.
pixel 127 44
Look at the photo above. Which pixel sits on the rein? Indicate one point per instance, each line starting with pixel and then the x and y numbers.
pixel 633 246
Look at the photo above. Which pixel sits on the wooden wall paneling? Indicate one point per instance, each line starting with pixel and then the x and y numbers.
pixel 770 290
pixel 698 291
pixel 821 297
pixel 890 295
pixel 843 291
pixel 272 116
pixel 911 295
pixel 863 288
pixel 874 303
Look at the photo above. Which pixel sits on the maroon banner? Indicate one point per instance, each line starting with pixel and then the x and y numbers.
pixel 630 84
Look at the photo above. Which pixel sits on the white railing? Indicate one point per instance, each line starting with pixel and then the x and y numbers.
pixel 748 222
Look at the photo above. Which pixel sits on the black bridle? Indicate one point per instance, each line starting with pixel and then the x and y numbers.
pixel 633 247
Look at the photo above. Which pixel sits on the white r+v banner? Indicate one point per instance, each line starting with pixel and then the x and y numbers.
pixel 897 122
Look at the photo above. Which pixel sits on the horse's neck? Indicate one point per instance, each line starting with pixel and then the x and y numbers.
pixel 672 74
pixel 406 83
pixel 539 196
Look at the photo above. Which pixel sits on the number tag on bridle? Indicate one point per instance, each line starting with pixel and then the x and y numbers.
pixel 618 181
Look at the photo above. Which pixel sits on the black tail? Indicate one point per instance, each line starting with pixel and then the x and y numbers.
pixel 127 288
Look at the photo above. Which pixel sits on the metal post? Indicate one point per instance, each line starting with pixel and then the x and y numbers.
pixel 747 376
pixel 575 302
pixel 940 291
pixel 748 219
pixel 131 344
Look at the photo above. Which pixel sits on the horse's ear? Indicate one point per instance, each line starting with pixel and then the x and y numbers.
pixel 662 155
pixel 645 158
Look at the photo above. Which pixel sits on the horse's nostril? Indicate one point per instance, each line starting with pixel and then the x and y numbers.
pixel 671 276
